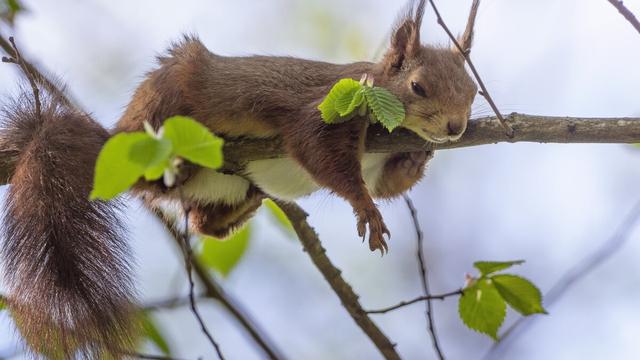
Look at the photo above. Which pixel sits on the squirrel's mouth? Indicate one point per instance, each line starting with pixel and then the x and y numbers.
pixel 432 138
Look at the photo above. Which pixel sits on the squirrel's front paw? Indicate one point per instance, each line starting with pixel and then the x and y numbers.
pixel 377 229
pixel 413 163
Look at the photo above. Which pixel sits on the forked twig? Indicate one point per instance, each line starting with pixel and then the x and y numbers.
pixel 18 60
pixel 416 300
pixel 188 259
pixel 213 290
pixel 313 247
pixel 424 277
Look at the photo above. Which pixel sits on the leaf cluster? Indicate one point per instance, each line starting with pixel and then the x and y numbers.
pixel 127 157
pixel 348 98
pixel 483 304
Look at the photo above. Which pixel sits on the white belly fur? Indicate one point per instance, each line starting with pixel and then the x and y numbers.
pixel 285 179
pixel 282 178
pixel 209 186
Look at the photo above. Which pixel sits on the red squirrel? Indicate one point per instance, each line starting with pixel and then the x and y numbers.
pixel 66 264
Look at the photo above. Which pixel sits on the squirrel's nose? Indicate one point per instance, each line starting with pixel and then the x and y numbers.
pixel 455 128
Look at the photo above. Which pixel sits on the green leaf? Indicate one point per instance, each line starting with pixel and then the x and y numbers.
pixel 154 155
pixel 519 293
pixel 152 332
pixel 489 267
pixel 9 9
pixel 14 5
pixel 156 172
pixel 385 106
pixel 224 255
pixel 3 304
pixel 150 152
pixel 482 308
pixel 115 171
pixel 336 104
pixel 194 142
pixel 279 216
pixel 346 104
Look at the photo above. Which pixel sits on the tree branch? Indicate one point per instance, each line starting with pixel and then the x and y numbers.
pixel 418 299
pixel 482 131
pixel 214 291
pixel 188 260
pixel 631 18
pixel 465 52
pixel 422 267
pixel 39 76
pixel 311 243
pixel 576 273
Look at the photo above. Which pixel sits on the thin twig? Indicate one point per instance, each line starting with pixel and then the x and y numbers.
pixel 18 60
pixel 422 268
pixel 483 89
pixel 631 18
pixel 213 290
pixel 313 247
pixel 170 303
pixel 416 300
pixel 578 272
pixel 40 77
pixel 188 256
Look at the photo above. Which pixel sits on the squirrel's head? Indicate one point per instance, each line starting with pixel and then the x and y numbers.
pixel 431 82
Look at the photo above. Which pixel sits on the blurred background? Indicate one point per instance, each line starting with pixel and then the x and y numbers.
pixel 549 204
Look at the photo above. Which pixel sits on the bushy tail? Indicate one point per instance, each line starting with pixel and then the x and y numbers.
pixel 65 259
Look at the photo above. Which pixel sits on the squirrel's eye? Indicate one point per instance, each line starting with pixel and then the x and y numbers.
pixel 417 89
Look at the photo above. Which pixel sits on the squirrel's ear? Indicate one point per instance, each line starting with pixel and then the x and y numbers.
pixel 405 41
pixel 466 40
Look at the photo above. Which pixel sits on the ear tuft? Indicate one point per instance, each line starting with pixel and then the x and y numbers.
pixel 405 41
pixel 466 41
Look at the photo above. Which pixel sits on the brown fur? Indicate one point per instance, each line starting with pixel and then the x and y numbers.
pixel 220 220
pixel 65 259
pixel 401 172
pixel 278 96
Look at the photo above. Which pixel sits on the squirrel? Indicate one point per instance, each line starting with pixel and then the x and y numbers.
pixel 66 261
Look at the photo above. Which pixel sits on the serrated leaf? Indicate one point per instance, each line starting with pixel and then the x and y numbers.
pixel 385 106
pixel 519 293
pixel 223 255
pixel 347 104
pixel 340 97
pixel 152 332
pixel 193 141
pixel 279 215
pixel 490 267
pixel 115 172
pixel 482 308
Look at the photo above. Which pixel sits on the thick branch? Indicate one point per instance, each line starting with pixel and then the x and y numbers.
pixel 311 243
pixel 483 131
